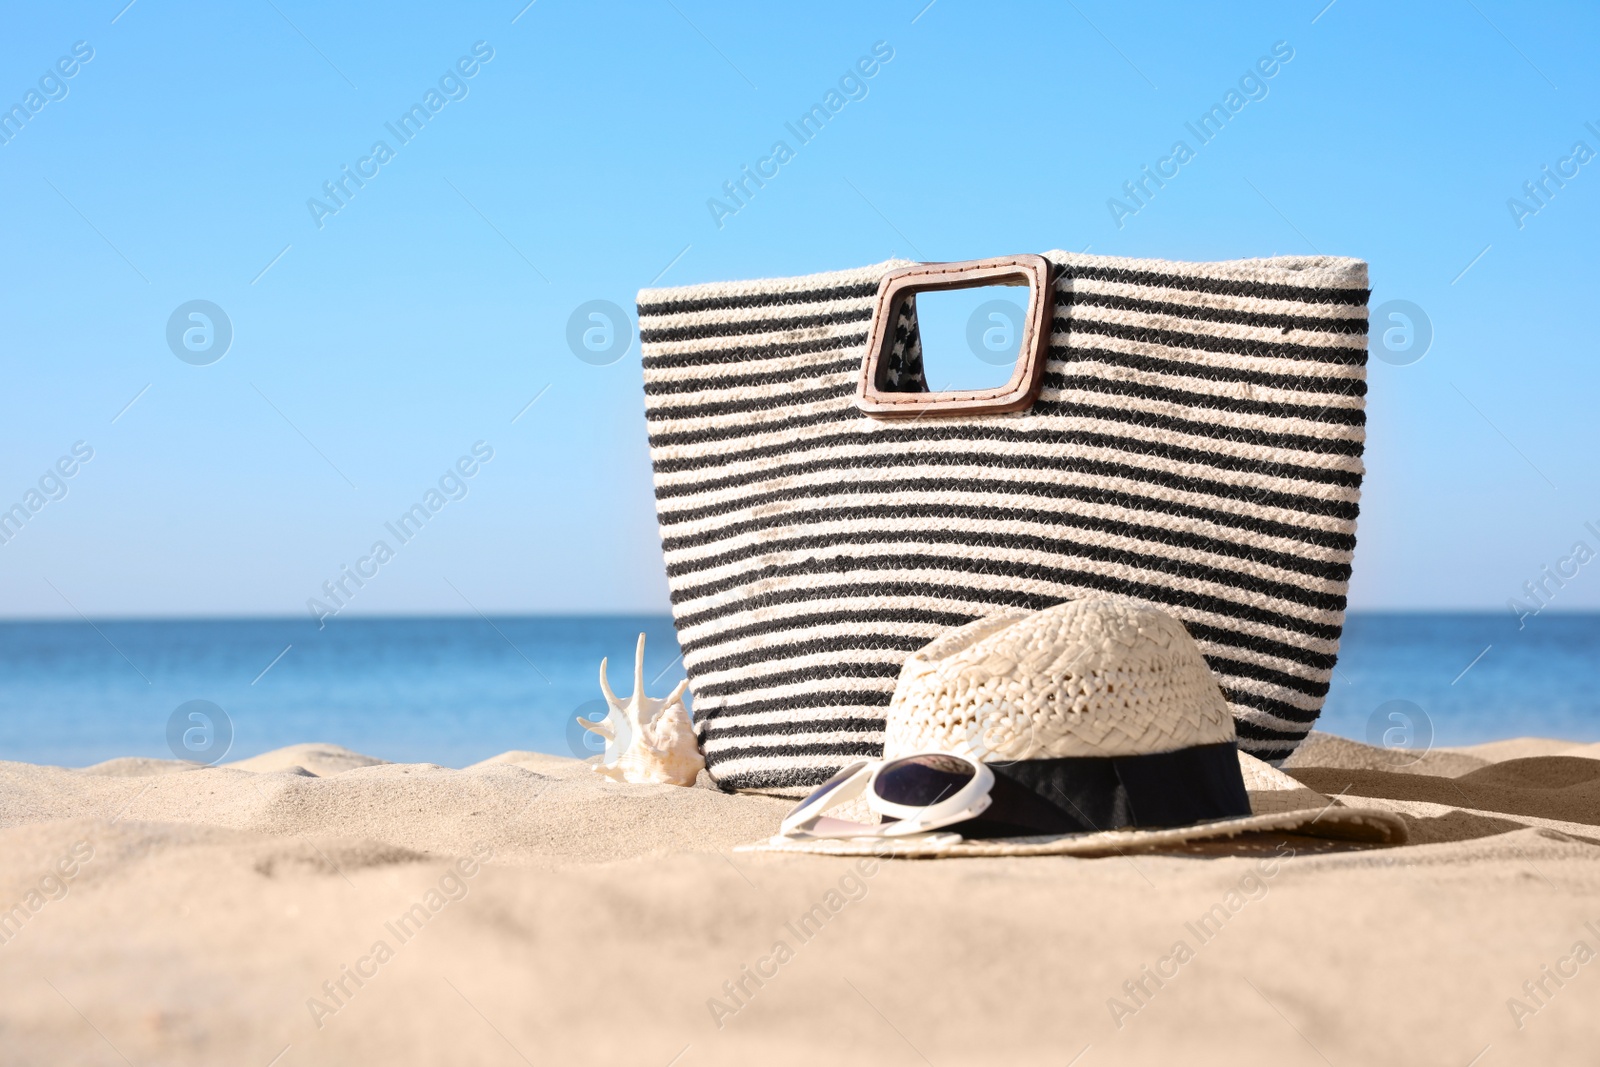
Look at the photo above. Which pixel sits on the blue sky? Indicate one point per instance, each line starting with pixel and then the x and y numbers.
pixel 373 347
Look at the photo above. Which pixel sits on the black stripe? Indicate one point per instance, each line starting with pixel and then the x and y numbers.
pixel 1042 408
pixel 1335 540
pixel 1076 355
pixel 713 357
pixel 886 534
pixel 775 401
pixel 800 702
pixel 792 779
pixel 1064 276
pixel 669 386
pixel 833 617
pixel 1224 286
pixel 741 327
pixel 870 749
pixel 725 433
pixel 1345 510
pixel 1341 446
pixel 1038 465
pixel 840 645
pixel 1315 324
pixel 1056 408
pixel 1070 552
pixel 1207 342
pixel 1265 646
pixel 1255 737
pixel 1078 330
pixel 1309 410
pixel 936 621
pixel 846 646
pixel 1063 321
pixel 716 730
pixel 859 291
pixel 1056 575
pixel 750 701
pixel 967 435
pixel 1256 672
pixel 832 672
pixel 1280 708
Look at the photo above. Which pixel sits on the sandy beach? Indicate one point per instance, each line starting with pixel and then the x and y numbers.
pixel 315 906
pixel 413 407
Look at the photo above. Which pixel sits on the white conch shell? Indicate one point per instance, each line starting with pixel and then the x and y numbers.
pixel 647 741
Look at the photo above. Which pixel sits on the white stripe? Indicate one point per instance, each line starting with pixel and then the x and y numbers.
pixel 829 664
pixel 855 687
pixel 659 417
pixel 780 530
pixel 859 306
pixel 726 745
pixel 661 405
pixel 1066 345
pixel 847 498
pixel 1273 691
pixel 774 287
pixel 1260 718
pixel 813 717
pixel 777 613
pixel 842 332
pixel 1221 301
pixel 887 457
pixel 891 453
pixel 1085 317
pixel 1309 272
pixel 756 675
pixel 856 573
pixel 847 549
pixel 748 764
pixel 821 586
pixel 782 361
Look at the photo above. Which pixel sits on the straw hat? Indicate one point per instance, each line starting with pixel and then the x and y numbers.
pixel 1106 711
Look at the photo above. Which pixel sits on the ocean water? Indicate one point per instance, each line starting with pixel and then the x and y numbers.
pixel 456 690
pixel 437 690
pixel 1467 678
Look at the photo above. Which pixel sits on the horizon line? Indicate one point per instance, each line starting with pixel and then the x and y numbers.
pixel 331 621
pixel 591 614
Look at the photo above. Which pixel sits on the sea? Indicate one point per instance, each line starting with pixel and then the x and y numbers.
pixel 453 691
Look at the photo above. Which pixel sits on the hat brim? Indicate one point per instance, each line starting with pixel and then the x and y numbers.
pixel 1364 825
pixel 1278 804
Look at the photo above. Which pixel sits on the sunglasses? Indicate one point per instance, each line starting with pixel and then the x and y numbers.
pixel 914 794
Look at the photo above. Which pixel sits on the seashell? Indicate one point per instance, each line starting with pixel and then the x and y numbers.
pixel 647 741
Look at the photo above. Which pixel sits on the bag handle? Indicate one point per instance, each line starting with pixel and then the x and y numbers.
pixel 901 286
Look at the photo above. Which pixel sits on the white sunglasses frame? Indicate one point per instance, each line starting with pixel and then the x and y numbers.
pixel 968 802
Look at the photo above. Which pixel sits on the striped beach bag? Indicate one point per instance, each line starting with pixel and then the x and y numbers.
pixel 1186 434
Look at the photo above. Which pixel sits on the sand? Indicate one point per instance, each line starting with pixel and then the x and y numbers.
pixel 525 910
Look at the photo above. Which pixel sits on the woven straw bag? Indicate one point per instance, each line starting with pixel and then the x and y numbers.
pixel 1185 434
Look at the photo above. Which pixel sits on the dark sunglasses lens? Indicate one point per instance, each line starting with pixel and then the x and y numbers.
pixel 831 784
pixel 918 781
